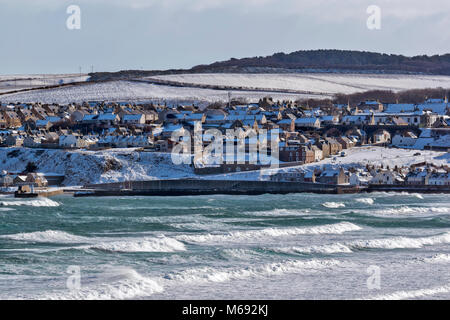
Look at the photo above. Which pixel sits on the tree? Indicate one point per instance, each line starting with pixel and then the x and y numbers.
pixel 31 167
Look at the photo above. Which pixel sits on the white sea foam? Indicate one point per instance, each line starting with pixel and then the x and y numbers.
pixel 438 258
pixel 147 244
pixel 200 225
pixel 337 228
pixel 365 200
pixel 396 194
pixel 333 205
pixel 279 212
pixel 123 283
pixel 401 295
pixel 42 202
pixel 387 243
pixel 240 254
pixel 406 210
pixel 46 236
pixel 326 249
pixel 401 242
pixel 209 274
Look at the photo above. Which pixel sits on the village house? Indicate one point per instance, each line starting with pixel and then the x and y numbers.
pixel 32 141
pixel 333 176
pixel 381 136
pixel 386 176
pixel 318 155
pixel 439 179
pixel 418 177
pixel 134 119
pixel 36 180
pixel 5 179
pixel 404 139
pixel 324 146
pixel 3 121
pixel 294 176
pixel 13 140
pixel 290 153
pixel 307 122
pixel 335 147
pixel 12 118
pixel 329 120
pixel 307 155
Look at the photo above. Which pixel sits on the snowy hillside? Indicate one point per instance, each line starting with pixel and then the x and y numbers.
pixel 329 83
pixel 323 85
pixel 81 167
pixel 27 81
pixel 133 91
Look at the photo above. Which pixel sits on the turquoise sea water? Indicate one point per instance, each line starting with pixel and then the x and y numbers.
pixel 297 246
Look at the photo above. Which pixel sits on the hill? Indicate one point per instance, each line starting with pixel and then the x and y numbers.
pixel 335 61
pixel 316 61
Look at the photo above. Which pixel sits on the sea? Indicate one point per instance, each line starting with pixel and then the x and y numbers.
pixel 295 246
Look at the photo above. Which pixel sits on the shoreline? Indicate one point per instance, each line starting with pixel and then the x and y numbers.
pixel 189 187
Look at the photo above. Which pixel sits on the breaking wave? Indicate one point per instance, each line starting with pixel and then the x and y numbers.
pixel 146 244
pixel 7 209
pixel 123 283
pixel 413 210
pixel 279 212
pixel 401 295
pixel 365 200
pixel 163 244
pixel 209 274
pixel 46 236
pixel 337 228
pixel 326 249
pixel 387 243
pixel 438 258
pixel 43 202
pixel 395 194
pixel 333 205
pixel 401 242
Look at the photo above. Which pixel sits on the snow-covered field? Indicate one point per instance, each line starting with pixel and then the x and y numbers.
pixel 28 81
pixel 134 91
pixel 329 83
pixel 81 167
pixel 324 85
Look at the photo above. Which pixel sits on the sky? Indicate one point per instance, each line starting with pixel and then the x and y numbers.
pixel 163 34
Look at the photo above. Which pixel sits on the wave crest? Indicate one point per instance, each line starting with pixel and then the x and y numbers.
pixel 337 228
pixel 43 202
pixel 333 205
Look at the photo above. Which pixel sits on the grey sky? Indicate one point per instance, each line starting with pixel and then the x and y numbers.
pixel 161 34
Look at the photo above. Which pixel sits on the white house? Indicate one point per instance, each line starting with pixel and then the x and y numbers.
pixel 439 179
pixel 381 136
pixel 386 177
pixel 405 139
